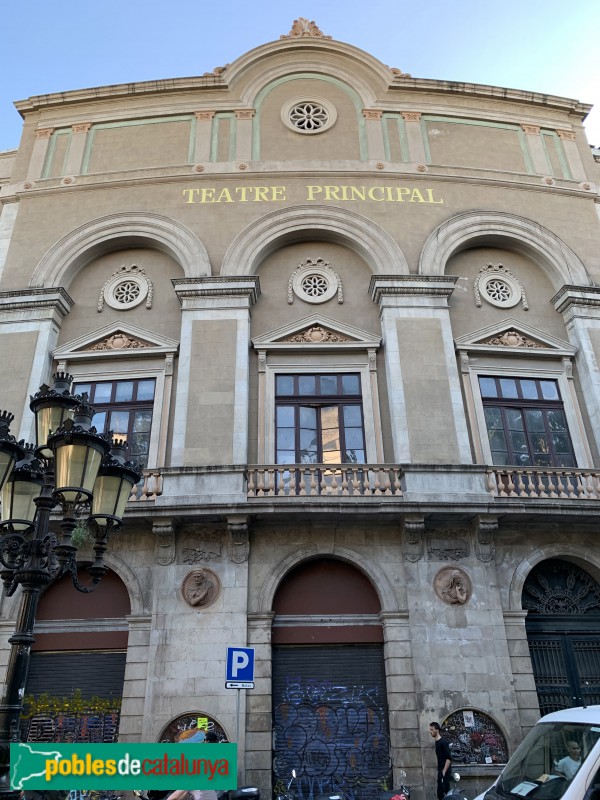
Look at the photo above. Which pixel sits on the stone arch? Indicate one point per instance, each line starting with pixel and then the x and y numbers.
pixel 496 228
pixel 379 579
pixel 139 603
pixel 581 556
pixel 66 257
pixel 280 228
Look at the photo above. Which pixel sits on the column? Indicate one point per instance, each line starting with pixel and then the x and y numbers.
pixel 521 669
pixel 243 134
pixel 38 154
pixel 375 145
pixel 569 144
pixel 259 706
pixel 536 149
pixel 203 135
pixel 77 148
pixel 414 137
pixel 421 363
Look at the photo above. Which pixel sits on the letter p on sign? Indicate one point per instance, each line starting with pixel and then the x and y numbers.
pixel 240 664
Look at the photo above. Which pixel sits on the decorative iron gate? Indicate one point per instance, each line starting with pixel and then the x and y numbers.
pixel 330 721
pixel 563 630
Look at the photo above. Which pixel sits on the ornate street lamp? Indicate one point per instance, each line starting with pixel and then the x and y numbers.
pixel 71 466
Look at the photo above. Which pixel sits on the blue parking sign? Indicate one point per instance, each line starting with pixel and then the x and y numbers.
pixel 240 664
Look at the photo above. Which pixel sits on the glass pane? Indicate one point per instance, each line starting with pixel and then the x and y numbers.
pixel 308 439
pixel 529 390
pixel 308 457
pixel 103 392
pixel 352 415
pixel 329 384
pixel 493 418
pixel 508 387
pixel 522 459
pixel 138 449
pixel 539 443
pixel 331 440
pixel 308 417
pixel 350 384
pixel 549 390
pixel 307 384
pixel 488 387
pixel 124 391
pixel 82 388
pixel 332 457
pixel 142 420
pixel 535 419
pixel 561 442
pixel 565 461
pixel 99 421
pixel 556 419
pixel 329 417
pixel 354 438
pixel 497 440
pixel 286 456
pixel 514 419
pixel 284 384
pixel 145 390
pixel 500 457
pixel 541 460
pixel 286 438
pixel 285 416
pixel 355 457
pixel 518 442
pixel 119 423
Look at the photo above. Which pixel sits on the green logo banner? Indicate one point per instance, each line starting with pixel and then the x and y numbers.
pixel 123 766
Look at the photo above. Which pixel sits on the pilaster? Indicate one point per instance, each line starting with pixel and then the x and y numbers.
pixel 569 144
pixel 77 148
pixel 374 133
pixel 536 148
pixel 243 137
pixel 259 706
pixel 203 134
pixel 414 136
pixel 38 154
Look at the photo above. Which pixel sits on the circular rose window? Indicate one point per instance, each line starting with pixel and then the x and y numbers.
pixel 314 282
pixel 498 286
pixel 308 115
pixel 126 288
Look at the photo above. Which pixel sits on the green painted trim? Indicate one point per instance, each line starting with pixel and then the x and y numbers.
pixel 352 94
pixel 128 124
pixel 547 155
pixel 560 152
pixel 425 137
pixel 51 152
pixel 399 119
pixel 214 135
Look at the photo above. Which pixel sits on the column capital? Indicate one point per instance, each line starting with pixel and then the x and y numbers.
pixel 411 116
pixel 244 113
pixel 369 113
pixel 567 136
pixel 530 130
pixel 44 133
pixel 204 115
pixel 81 127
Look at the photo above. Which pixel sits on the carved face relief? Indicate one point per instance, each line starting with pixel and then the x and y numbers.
pixel 453 586
pixel 201 588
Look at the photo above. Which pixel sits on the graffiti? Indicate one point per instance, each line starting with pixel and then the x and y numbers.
pixel 64 727
pixel 475 738
pixel 193 720
pixel 335 737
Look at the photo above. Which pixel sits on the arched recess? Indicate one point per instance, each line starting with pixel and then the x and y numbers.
pixel 66 257
pixel 498 229
pixel 329 681
pixel 280 228
pixel 562 601
pixel 379 579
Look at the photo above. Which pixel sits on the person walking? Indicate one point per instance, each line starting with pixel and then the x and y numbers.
pixel 444 759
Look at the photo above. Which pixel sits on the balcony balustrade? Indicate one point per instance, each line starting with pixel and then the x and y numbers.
pixel 324 480
pixel 531 483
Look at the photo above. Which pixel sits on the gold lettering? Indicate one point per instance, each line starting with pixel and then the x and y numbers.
pixel 388 192
pixel 190 194
pixel 430 196
pixel 331 192
pixel 375 189
pixel 417 194
pixel 261 194
pixel 402 192
pixel 224 197
pixel 278 193
pixel 358 193
pixel 242 191
pixel 345 192
pixel 207 195
pixel 312 190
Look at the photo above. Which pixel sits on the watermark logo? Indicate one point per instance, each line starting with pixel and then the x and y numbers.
pixel 123 766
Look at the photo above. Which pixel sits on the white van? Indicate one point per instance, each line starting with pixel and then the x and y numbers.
pixel 559 759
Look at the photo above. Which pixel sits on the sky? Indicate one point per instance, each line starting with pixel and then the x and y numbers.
pixel 548 46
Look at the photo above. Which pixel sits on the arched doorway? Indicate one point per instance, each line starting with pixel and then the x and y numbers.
pixel 75 681
pixel 330 714
pixel 563 631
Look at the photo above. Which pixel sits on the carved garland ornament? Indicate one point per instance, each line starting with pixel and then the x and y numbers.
pixel 314 281
pixel 316 335
pixel 499 287
pixel 119 341
pixel 126 288
pixel 512 338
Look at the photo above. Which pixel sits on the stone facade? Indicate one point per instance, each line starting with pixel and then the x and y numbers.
pixel 308 211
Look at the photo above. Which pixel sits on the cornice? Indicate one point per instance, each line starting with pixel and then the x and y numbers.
pixel 218 286
pixel 411 285
pixel 569 296
pixel 28 299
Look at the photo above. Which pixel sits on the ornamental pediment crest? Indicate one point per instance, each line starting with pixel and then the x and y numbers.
pixel 117 339
pixel 302 28
pixel 513 335
pixel 317 331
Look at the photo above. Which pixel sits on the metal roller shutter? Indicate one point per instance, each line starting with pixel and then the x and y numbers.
pixel 330 720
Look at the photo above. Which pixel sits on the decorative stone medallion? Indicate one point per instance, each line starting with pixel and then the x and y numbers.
pixel 498 286
pixel 310 116
pixel 314 281
pixel 453 586
pixel 200 588
pixel 126 288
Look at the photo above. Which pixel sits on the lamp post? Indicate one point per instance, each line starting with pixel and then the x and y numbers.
pixel 71 466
